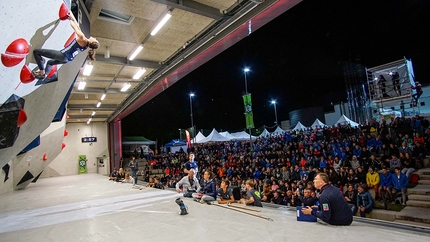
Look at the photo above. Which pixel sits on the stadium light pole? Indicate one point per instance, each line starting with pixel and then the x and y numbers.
pixel 191 108
pixel 276 115
pixel 245 70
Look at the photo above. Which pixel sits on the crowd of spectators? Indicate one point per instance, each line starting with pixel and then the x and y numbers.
pixel 283 166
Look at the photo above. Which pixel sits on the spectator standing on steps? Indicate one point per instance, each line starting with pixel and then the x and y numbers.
pixel 134 168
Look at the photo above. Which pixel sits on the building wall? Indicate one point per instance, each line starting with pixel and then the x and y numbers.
pixel 67 162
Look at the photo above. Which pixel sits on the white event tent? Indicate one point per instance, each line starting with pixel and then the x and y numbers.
pixel 242 136
pixel 278 131
pixel 318 123
pixel 214 136
pixel 264 133
pixel 299 126
pixel 227 135
pixel 345 120
pixel 198 137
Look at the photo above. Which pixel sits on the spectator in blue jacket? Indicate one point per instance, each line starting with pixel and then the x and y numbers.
pixel 364 201
pixel 208 193
pixel 400 183
pixel 386 182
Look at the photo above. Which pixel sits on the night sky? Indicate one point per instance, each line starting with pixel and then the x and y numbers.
pixel 296 59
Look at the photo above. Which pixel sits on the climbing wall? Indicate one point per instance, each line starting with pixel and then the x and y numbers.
pixel 28 105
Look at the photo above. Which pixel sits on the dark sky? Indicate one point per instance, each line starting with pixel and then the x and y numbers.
pixel 296 59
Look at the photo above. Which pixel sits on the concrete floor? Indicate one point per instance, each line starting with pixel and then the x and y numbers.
pixel 91 208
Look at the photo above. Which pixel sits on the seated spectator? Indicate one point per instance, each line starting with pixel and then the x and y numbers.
pixel 189 184
pixel 405 148
pixel 267 192
pixel 386 183
pixel 355 163
pixel 113 175
pixel 419 152
pixel 121 175
pixel 394 163
pixel 361 174
pixel 352 178
pixel 351 198
pixel 400 183
pixel 225 193
pixel 158 184
pixel 150 183
pixel 375 163
pixel 275 186
pixel 252 197
pixel 372 180
pixel 288 199
pixel 282 186
pixel 307 199
pixel 208 193
pixel 408 164
pixel 128 179
pixel 276 199
pixel 364 201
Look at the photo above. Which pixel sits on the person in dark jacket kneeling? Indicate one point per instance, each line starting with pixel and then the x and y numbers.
pixel 333 208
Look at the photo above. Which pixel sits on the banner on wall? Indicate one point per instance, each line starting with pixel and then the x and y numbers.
pixel 82 164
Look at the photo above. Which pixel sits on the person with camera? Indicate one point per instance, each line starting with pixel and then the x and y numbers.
pixel 189 184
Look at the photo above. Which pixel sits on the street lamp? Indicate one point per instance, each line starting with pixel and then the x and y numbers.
pixel 191 108
pixel 276 115
pixel 245 70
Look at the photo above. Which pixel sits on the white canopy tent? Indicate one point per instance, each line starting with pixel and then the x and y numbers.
pixel 345 120
pixel 227 135
pixel 318 123
pixel 198 137
pixel 299 126
pixel 278 131
pixel 264 133
pixel 214 136
pixel 242 136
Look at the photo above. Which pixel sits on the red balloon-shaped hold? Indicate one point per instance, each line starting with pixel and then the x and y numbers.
pixel 66 133
pixel 62 13
pixel 26 76
pixel 45 157
pixel 18 47
pixel 15 52
pixel 22 117
pixel 70 39
pixel 63 145
pixel 67 116
pixel 52 72
pixel 11 60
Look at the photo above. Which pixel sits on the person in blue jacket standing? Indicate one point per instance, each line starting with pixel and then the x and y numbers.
pixel 400 183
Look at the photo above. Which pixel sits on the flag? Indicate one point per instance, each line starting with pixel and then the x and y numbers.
pixel 188 139
pixel 248 111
